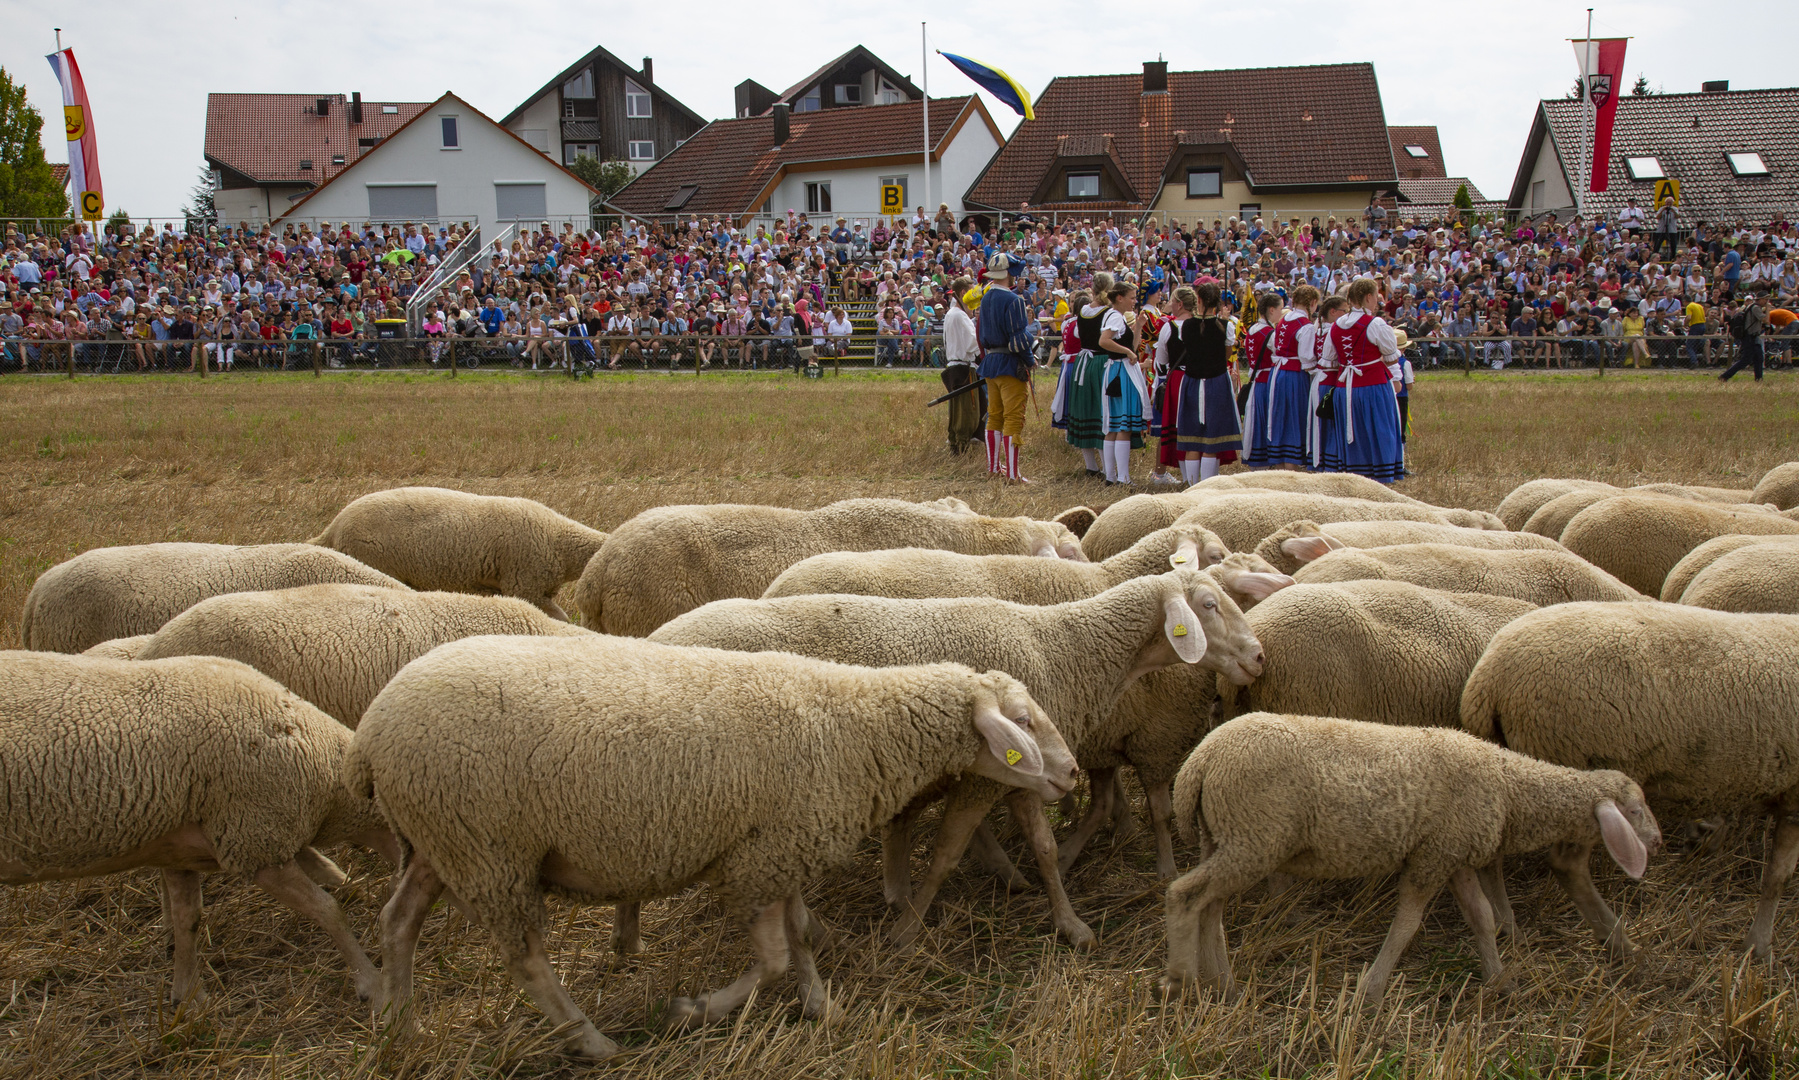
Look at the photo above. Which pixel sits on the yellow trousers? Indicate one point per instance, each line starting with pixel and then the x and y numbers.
pixel 1005 405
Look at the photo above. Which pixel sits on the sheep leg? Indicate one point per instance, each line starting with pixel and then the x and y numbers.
pixel 896 857
pixel 1195 929
pixel 1124 822
pixel 289 884
pixel 1466 885
pixel 1569 862
pixel 1774 879
pixel 529 966
pixel 320 869
pixel 1027 809
pixel 627 932
pixel 401 920
pixel 961 814
pixel 815 998
pixel 1161 819
pixel 987 850
pixel 181 910
pixel 1413 899
pixel 1492 882
pixel 768 934
pixel 549 607
pixel 1099 811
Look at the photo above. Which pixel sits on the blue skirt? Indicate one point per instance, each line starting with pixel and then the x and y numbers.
pixel 1289 402
pixel 1124 412
pixel 1219 429
pixel 1378 452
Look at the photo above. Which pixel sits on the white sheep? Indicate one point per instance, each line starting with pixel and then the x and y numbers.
pixel 438 539
pixel 1527 498
pixel 1640 538
pixel 186 766
pixel 1700 707
pixel 117 592
pixel 1690 566
pixel 922 573
pixel 1326 798
pixel 1540 577
pixel 122 648
pixel 338 645
pixel 1243 519
pixel 1753 578
pixel 1300 542
pixel 1076 659
pixel 618 770
pixel 1388 652
pixel 672 559
pixel 1779 486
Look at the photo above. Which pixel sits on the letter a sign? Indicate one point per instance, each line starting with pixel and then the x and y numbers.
pixel 1667 191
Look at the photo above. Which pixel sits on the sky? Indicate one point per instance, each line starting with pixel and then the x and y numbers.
pixel 1475 70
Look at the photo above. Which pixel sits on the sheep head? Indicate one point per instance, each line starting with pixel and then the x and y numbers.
pixel 1022 747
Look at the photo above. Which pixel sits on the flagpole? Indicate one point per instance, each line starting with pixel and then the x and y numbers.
pixel 924 64
pixel 1586 101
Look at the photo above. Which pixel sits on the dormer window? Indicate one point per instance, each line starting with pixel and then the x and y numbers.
pixel 1083 185
pixel 849 93
pixel 808 103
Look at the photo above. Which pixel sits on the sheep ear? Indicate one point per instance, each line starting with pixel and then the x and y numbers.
pixel 1007 741
pixel 1308 548
pixel 1621 841
pixel 1071 550
pixel 1181 626
pixel 1260 586
pixel 1185 556
pixel 1046 550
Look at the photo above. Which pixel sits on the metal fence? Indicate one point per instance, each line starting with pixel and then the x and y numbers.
pixel 702 353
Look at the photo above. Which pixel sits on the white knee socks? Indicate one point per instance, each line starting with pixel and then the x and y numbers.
pixel 1118 460
pixel 1190 471
pixel 1091 457
pixel 1208 466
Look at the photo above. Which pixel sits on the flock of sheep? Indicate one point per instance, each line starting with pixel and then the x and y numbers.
pixel 1313 676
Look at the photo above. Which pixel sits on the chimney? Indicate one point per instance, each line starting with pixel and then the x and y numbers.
pixel 324 107
pixel 781 109
pixel 1155 76
pixel 1717 87
pixel 649 70
pixel 356 107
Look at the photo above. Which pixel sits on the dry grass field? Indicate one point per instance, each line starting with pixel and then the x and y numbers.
pixel 254 459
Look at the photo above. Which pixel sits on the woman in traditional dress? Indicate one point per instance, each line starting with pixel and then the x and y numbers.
pixel 1080 392
pixel 1362 354
pixel 1206 422
pixel 1259 360
pixel 1126 397
pixel 1278 440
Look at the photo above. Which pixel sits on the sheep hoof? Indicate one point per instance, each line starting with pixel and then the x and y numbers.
pixel 589 1043
pixel 685 1013
pixel 1079 936
pixel 627 946
pixel 905 934
pixel 817 1005
pixel 193 998
pixel 1172 989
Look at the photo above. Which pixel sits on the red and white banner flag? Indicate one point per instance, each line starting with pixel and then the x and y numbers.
pixel 1602 75
pixel 84 159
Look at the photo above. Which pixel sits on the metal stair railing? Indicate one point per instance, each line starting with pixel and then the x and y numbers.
pixel 460 258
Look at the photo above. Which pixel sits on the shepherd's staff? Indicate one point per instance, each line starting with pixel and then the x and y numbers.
pixel 953 393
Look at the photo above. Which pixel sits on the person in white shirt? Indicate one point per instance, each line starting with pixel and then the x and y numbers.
pixel 967 410
pixel 1631 218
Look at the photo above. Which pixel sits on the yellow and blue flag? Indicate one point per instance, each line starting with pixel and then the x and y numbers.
pixel 995 82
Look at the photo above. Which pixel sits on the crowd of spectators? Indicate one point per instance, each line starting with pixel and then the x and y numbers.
pixel 786 290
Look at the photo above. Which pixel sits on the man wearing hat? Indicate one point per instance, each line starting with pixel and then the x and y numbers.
pixel 1004 331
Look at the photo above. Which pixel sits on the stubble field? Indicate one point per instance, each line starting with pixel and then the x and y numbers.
pixel 258 459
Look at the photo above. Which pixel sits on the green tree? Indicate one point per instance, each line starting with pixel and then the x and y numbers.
pixel 1464 202
pixel 608 176
pixel 200 210
pixel 28 186
pixel 1640 88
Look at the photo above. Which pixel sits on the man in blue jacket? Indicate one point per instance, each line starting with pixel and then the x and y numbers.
pixel 1004 330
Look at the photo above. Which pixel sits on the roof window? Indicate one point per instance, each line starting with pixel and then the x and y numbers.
pixel 1747 163
pixel 1416 151
pixel 1644 168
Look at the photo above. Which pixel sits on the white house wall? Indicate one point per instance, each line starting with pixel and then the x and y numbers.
pixel 1556 195
pixel 465 177
pixel 857 192
pixel 541 125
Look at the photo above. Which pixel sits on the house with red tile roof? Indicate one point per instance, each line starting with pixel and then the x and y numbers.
pixel 450 163
pixel 1286 141
pixel 1735 154
pixel 1425 186
pixel 266 151
pixel 824 163
pixel 603 108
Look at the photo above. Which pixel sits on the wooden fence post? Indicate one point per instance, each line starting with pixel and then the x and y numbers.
pixel 451 353
pixel 71 345
pixel 199 359
pixel 317 360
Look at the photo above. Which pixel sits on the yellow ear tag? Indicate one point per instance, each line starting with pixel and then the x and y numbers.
pixel 1178 559
pixel 1013 757
pixel 1180 629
